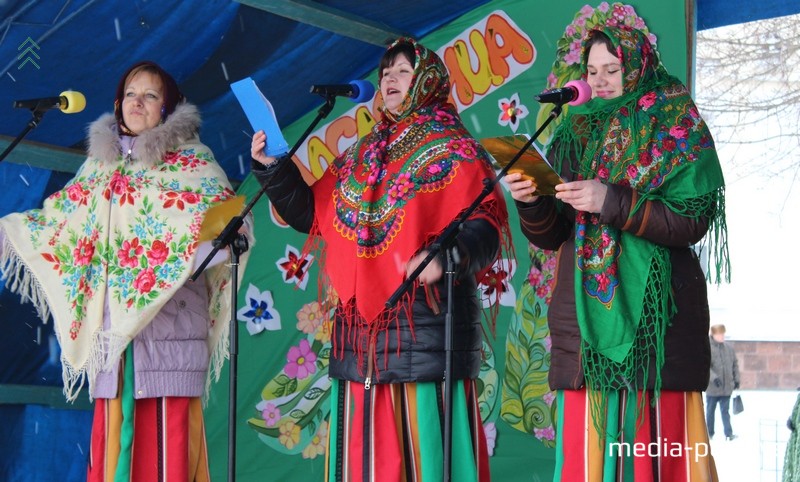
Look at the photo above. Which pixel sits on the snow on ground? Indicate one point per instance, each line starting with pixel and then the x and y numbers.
pixel 757 453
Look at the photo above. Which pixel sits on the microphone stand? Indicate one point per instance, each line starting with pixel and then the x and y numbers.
pixel 446 242
pixel 230 236
pixel 37 117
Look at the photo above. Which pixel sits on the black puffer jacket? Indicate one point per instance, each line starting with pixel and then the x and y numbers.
pixel 687 355
pixel 421 354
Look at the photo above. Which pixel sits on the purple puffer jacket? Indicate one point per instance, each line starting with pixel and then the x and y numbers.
pixel 171 355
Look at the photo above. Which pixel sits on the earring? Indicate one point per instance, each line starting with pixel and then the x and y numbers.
pixel 163 112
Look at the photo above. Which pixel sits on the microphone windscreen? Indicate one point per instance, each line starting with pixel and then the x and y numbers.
pixel 584 91
pixel 365 90
pixel 76 102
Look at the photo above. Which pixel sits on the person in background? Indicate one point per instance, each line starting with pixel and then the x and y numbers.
pixel 791 460
pixel 375 211
pixel 723 380
pixel 629 315
pixel 110 256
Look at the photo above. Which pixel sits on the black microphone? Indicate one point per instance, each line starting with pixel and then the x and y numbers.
pixel 574 92
pixel 358 90
pixel 68 102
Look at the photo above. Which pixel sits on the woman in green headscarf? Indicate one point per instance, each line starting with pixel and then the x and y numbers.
pixel 629 313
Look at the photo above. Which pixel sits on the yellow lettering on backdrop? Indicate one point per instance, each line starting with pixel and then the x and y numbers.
pixel 513 43
pixel 364 120
pixel 492 47
pixel 343 127
pixel 461 87
pixel 317 151
pixel 481 79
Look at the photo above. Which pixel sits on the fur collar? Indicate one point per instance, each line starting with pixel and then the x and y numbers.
pixel 181 126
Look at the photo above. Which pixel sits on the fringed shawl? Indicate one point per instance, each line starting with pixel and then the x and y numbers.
pixel 390 194
pixel 123 231
pixel 653 140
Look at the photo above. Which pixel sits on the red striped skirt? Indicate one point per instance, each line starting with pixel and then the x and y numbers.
pixel 667 443
pixel 147 440
pixel 393 433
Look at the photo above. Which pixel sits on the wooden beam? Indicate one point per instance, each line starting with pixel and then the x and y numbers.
pixel 45 156
pixel 42 395
pixel 330 19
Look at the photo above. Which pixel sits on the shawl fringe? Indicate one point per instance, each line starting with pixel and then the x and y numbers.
pixel 21 280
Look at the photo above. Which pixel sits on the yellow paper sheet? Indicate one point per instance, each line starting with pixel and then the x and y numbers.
pixel 218 216
pixel 532 164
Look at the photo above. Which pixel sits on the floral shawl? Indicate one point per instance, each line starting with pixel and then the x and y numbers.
pixel 653 140
pixel 394 191
pixel 122 232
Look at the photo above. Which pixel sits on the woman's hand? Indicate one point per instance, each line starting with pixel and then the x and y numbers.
pixel 257 148
pixel 586 196
pixel 522 189
pixel 432 272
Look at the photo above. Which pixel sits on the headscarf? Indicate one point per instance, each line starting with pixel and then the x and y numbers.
pixel 172 94
pixel 391 193
pixel 653 140
pixel 122 233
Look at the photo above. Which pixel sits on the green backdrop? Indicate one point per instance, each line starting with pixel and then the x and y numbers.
pixel 499 56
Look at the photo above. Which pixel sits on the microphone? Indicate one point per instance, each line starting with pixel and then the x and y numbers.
pixel 358 90
pixel 69 102
pixel 574 92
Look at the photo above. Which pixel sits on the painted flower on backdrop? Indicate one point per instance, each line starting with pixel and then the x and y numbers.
pixel 300 361
pixel 293 268
pixel 269 412
pixel 490 429
pixel 289 435
pixel 511 112
pixel 496 284
pixel 259 313
pixel 317 445
pixel 546 433
pixel 311 319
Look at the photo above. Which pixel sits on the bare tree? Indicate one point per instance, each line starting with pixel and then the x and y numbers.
pixel 748 90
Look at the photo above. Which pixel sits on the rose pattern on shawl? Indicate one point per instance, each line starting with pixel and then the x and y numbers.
pixel 143 258
pixel 376 227
pixel 652 163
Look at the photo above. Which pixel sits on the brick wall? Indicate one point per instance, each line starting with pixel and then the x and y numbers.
pixel 768 365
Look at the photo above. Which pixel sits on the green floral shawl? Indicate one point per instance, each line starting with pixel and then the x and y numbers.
pixel 653 140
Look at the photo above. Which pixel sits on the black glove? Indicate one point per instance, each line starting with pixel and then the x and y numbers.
pixel 717 382
pixel 790 424
pixel 735 385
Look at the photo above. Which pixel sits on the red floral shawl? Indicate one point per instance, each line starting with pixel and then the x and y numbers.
pixel 394 191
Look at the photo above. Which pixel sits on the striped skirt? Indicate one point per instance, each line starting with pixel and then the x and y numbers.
pixel 668 442
pixel 147 440
pixel 393 433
